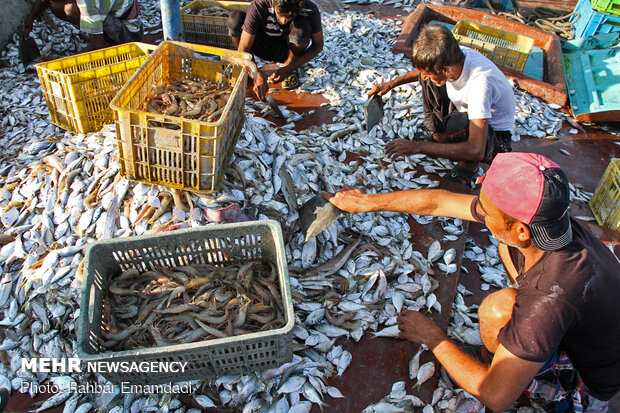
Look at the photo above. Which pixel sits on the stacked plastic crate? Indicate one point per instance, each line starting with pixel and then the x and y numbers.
pixel 596 17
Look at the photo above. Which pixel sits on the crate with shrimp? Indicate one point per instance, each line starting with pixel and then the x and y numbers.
pixel 78 89
pixel 162 298
pixel 206 22
pixel 506 49
pixel 179 117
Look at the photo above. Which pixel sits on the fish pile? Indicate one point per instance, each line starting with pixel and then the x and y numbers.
pixel 62 191
pixel 406 5
pixel 202 100
pixel 536 118
pixel 191 303
pixel 213 11
pixel 445 398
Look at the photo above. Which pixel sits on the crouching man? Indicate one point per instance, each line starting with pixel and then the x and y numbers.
pixel 558 332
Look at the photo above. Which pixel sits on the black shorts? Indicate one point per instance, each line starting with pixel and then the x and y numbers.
pixel 273 48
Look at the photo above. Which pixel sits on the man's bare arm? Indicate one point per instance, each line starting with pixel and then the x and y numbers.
pixel 383 88
pixel 435 202
pixel 497 386
pixel 38 8
pixel 471 150
pixel 260 82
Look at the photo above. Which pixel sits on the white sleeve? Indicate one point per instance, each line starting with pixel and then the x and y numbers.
pixel 479 99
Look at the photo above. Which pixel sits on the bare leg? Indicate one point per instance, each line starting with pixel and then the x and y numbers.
pixel 73 13
pixel 494 312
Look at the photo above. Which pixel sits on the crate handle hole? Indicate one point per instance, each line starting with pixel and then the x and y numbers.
pixel 91 304
pixel 165 125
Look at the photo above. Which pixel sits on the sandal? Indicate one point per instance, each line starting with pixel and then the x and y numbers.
pixel 292 81
pixel 461 175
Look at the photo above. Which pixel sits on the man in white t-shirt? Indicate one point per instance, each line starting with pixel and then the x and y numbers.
pixel 468 103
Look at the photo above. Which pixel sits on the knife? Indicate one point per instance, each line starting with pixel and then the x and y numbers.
pixel 316 215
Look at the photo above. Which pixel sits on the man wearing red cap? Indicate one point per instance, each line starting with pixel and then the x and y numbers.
pixel 562 312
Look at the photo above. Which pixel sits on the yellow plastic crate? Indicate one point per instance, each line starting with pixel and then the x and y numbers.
pixel 506 49
pixel 605 202
pixel 170 150
pixel 78 89
pixel 209 30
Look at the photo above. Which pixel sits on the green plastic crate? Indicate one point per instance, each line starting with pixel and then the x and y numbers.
pixel 225 244
pixel 605 202
pixel 607 6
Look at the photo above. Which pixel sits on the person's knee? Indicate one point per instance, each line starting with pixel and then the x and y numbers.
pixel 235 22
pixel 297 49
pixel 496 308
pixel 299 36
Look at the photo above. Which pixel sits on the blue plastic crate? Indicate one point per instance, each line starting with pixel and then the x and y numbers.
pixel 591 22
pixel 499 5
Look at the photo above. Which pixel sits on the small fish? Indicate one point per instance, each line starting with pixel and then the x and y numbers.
pixel 431 299
pixel 311 394
pixel 344 361
pixel 292 384
pixel 53 401
pixel 434 251
pixel 383 407
pixel 398 299
pixel 391 331
pixel 449 256
pixel 425 372
pixel 414 363
pixel 301 407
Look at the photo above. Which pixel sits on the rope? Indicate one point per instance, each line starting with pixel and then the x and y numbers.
pixel 544 18
pixel 548 20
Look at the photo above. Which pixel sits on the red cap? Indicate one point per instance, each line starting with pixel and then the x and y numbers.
pixel 533 190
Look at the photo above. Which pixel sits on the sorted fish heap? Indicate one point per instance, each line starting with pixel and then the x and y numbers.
pixel 406 5
pixel 194 99
pixel 190 303
pixel 463 325
pixel 536 118
pixel 213 11
pixel 446 398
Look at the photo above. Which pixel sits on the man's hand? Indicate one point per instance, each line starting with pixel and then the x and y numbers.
pixel 349 199
pixel 402 147
pixel 260 86
pixel 416 327
pixel 380 89
pixel 280 74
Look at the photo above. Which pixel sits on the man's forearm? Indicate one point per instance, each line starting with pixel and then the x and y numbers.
pixel 37 9
pixel 433 202
pixel 460 151
pixel 468 372
pixel 409 77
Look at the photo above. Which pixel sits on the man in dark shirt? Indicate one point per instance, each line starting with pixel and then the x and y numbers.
pixel 285 31
pixel 565 305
